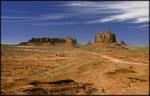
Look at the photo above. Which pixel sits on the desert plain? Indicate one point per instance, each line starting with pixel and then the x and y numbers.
pixel 30 70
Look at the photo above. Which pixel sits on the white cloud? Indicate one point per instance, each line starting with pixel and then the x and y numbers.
pixel 138 11
pixel 140 20
pixel 49 17
pixel 55 23
pixel 14 17
pixel 34 18
pixel 93 12
pixel 146 25
pixel 130 10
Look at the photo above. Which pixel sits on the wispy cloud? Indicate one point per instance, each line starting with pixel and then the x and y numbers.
pixel 146 25
pixel 14 17
pixel 138 11
pixel 88 12
pixel 34 18
pixel 48 17
pixel 120 11
pixel 54 23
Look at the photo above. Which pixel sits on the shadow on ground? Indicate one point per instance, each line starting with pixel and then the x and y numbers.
pixel 61 87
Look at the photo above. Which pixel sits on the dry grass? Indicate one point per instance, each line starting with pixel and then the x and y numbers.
pixel 23 65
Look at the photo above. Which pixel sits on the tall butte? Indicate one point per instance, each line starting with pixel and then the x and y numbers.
pixel 69 41
pixel 105 39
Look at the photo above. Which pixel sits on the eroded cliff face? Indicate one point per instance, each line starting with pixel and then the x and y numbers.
pixel 105 37
pixel 63 42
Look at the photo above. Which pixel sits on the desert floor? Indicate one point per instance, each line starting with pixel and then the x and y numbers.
pixel 74 71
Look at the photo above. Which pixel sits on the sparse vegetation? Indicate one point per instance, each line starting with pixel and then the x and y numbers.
pixel 22 65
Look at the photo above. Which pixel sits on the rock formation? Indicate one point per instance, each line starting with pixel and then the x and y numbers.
pixel 105 37
pixel 122 42
pixel 89 43
pixel 45 41
pixel 69 41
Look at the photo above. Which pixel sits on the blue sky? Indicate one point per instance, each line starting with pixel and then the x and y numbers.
pixel 129 20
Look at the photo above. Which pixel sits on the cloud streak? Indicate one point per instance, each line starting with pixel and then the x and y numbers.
pixel 55 23
pixel 121 11
pixel 88 12
pixel 33 19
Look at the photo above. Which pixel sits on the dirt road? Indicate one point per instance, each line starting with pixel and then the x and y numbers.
pixel 115 59
pixel 120 61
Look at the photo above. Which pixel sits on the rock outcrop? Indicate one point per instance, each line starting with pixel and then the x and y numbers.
pixel 105 37
pixel 69 42
pixel 122 42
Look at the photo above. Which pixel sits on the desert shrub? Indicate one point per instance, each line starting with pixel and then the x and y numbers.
pixel 58 40
pixel 50 40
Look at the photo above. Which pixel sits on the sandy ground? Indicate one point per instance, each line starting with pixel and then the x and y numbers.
pixel 74 71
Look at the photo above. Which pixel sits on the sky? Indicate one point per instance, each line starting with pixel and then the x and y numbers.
pixel 22 20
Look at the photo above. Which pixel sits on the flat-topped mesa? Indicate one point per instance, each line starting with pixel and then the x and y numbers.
pixel 105 37
pixel 45 41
